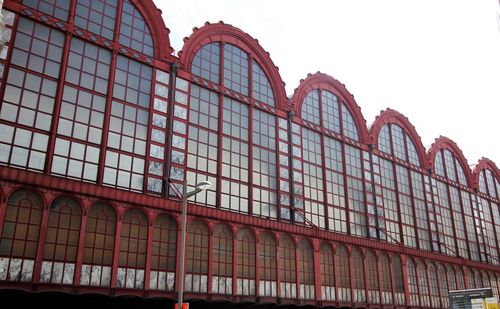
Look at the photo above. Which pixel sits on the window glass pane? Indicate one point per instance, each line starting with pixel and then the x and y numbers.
pixel 235 69
pixel 134 32
pixel 262 90
pixel 97 16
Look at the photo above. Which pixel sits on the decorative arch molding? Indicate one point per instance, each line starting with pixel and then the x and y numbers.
pixel 78 200
pixel 484 163
pixel 392 116
pixel 220 32
pixel 159 32
pixel 323 81
pixel 443 142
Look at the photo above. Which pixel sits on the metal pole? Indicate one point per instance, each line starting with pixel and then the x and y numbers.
pixel 180 277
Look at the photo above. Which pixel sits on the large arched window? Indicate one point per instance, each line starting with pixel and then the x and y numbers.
pixel 343 274
pixel 197 250
pixel 19 242
pixel 61 242
pixel 372 277
pixel 402 185
pixel 232 133
pixel 449 200
pixel 288 269
pixel 164 254
pixel 222 261
pixel 267 265
pixel 358 276
pixel 327 273
pixel 489 206
pixel 324 164
pixel 245 282
pixel 306 270
pixel 99 246
pixel 97 129
pixel 133 250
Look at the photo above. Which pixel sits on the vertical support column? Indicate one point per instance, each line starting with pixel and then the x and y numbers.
pixel 178 262
pixel 210 257
pixel 235 266
pixel 406 280
pixel 116 251
pixel 466 277
pixel 149 251
pixel 3 210
pixel 317 270
pixel 81 246
pixel 257 264
pixel 41 244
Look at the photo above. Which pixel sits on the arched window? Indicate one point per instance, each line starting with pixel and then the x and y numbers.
pixel 315 152
pixel 450 202
pixel 134 33
pixel 452 282
pixel 288 270
pixel 372 277
pixel 343 274
pixel 247 136
pixel 358 276
pixel 385 278
pixel 433 285
pixel 423 284
pixel 478 278
pixel 398 280
pixel 84 143
pixel 412 282
pixel 222 261
pixel 197 250
pixel 61 241
pixel 470 277
pixel 267 265
pixel 488 186
pixel 99 246
pixel 164 254
pixel 460 279
pixel 327 273
pixel 306 270
pixel 133 249
pixel 245 282
pixel 20 233
pixel 443 285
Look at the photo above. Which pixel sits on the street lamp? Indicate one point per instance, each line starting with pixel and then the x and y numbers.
pixel 201 186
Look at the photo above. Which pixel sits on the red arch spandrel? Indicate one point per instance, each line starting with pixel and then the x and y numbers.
pixel 446 143
pixel 482 164
pixel 393 116
pixel 220 32
pixel 159 32
pixel 323 81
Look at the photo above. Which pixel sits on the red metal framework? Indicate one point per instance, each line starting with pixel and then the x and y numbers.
pixel 104 117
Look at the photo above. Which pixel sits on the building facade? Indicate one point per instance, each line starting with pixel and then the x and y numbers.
pixel 100 126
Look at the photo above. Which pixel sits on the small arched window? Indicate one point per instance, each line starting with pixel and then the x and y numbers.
pixel 222 260
pixel 412 282
pixel 61 241
pixel 327 273
pixel 99 246
pixel 343 274
pixel 422 283
pixel 245 284
pixel 433 285
pixel 372 277
pixel 267 265
pixel 197 250
pixel 385 278
pixel 398 279
pixel 288 270
pixel 20 234
pixel 358 275
pixel 164 253
pixel 133 249
pixel 306 270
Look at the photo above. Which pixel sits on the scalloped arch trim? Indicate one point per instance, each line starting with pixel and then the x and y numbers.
pixel 446 143
pixel 324 81
pixel 221 32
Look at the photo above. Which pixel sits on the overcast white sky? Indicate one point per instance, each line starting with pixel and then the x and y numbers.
pixel 435 61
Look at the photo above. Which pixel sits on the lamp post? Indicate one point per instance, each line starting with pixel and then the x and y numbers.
pixel 201 186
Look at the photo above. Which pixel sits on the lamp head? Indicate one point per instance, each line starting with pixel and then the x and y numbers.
pixel 203 185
